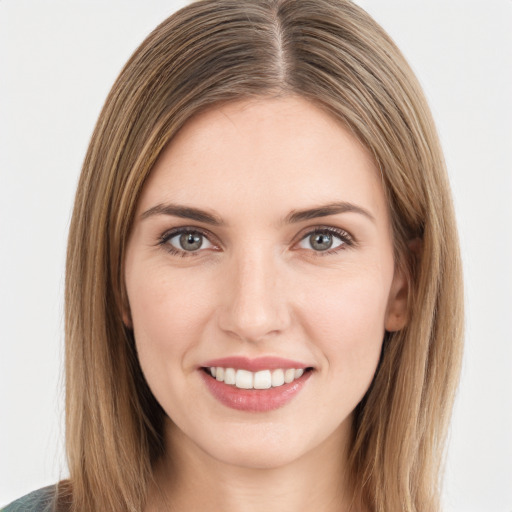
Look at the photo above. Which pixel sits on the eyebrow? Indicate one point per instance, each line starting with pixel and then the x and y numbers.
pixel 325 211
pixel 185 212
pixel 295 216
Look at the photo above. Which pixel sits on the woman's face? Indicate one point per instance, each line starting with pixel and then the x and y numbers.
pixel 262 244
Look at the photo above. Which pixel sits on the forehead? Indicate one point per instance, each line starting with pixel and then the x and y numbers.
pixel 264 153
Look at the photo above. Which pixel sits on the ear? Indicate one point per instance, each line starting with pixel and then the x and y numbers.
pixel 396 312
pixel 398 300
pixel 127 316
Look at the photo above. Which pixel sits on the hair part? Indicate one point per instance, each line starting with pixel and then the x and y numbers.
pixel 213 51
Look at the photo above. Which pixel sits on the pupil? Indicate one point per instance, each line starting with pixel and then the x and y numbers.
pixel 190 241
pixel 321 242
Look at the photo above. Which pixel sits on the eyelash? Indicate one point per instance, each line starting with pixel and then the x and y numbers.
pixel 346 238
pixel 164 239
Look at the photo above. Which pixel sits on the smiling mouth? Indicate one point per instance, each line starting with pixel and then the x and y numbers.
pixel 260 380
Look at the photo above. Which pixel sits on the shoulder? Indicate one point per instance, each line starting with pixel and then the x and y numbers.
pixel 37 501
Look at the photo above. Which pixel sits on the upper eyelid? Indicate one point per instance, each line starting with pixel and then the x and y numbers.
pixel 170 233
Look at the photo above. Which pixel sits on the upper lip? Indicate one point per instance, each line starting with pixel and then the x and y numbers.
pixel 256 364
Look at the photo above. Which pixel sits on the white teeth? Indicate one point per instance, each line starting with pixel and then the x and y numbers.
pixel 263 379
pixel 229 376
pixel 277 378
pixel 244 379
pixel 289 375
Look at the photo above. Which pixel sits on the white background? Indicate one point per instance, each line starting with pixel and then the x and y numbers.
pixel 58 60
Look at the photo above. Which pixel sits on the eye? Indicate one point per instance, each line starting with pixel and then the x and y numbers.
pixel 327 240
pixel 185 241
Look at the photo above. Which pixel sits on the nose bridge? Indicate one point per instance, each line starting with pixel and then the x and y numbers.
pixel 255 305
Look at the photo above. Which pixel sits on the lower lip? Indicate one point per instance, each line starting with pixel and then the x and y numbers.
pixel 254 400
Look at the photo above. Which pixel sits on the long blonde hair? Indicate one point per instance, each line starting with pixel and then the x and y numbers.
pixel 333 54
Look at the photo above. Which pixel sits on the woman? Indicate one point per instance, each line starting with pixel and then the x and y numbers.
pixel 263 293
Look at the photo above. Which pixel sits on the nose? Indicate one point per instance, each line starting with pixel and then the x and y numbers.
pixel 255 305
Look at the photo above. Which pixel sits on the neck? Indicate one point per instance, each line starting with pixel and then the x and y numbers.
pixel 191 479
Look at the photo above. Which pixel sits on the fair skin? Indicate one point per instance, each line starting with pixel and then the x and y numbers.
pixel 261 282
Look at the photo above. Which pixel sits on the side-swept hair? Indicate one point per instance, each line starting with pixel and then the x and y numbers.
pixel 333 54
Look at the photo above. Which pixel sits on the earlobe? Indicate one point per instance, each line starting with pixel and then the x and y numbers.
pixel 127 318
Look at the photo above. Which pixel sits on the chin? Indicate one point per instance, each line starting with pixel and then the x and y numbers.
pixel 258 456
pixel 272 445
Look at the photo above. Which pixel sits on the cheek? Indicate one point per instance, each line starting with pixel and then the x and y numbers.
pixel 346 322
pixel 166 314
